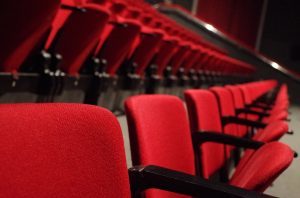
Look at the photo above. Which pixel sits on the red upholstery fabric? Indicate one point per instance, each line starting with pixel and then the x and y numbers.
pixel 74 44
pixel 147 48
pixel 178 58
pixel 237 96
pixel 60 20
pixel 166 51
pixel 226 106
pixel 264 166
pixel 246 94
pixel 190 60
pixel 254 90
pixel 272 132
pixel 159 134
pixel 61 150
pixel 277 115
pixel 238 104
pixel 204 115
pixel 116 47
pixel 22 27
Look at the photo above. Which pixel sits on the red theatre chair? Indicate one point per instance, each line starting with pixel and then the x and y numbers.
pixel 74 36
pixel 159 134
pixel 204 117
pixel 24 27
pixel 120 37
pixel 72 150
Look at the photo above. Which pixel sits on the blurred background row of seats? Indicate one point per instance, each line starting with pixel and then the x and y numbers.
pixel 100 52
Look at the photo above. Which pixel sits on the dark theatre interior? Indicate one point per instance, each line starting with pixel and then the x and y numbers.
pixel 149 98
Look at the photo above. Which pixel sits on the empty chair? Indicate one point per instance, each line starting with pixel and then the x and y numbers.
pixel 61 150
pixel 71 42
pixel 159 134
pixel 204 115
pixel 72 150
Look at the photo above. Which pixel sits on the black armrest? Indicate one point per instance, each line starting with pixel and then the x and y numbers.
pixel 73 8
pixel 240 121
pixel 260 106
pixel 142 178
pixel 249 111
pixel 209 136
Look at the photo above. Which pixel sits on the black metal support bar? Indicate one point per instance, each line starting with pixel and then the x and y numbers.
pixel 240 121
pixel 249 111
pixel 210 136
pixel 256 105
pixel 143 178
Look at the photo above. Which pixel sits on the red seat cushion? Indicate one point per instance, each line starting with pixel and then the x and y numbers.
pixel 179 57
pixel 61 150
pixel 264 166
pixel 238 104
pixel 273 132
pixel 226 106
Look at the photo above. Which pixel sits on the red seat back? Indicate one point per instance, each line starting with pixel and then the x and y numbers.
pixel 74 44
pixel 226 106
pixel 265 165
pixel 204 116
pixel 273 132
pixel 61 150
pixel 238 104
pixel 159 134
pixel 147 48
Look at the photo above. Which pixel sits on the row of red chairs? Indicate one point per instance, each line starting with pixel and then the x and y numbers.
pixel 106 39
pixel 73 150
pixel 160 134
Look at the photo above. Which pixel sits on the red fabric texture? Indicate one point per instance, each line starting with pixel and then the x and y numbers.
pixel 116 48
pixel 74 44
pixel 147 48
pixel 238 104
pixel 204 116
pixel 159 135
pixel 264 166
pixel 61 150
pixel 272 132
pixel 164 55
pixel 178 58
pixel 23 26
pixel 226 106
pixel 60 20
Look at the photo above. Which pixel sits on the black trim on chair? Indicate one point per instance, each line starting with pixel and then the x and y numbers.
pixel 235 120
pixel 143 178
